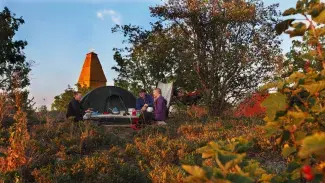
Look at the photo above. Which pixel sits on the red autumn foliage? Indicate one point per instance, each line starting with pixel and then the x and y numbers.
pixel 251 107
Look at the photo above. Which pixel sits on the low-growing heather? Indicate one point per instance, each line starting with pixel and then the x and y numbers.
pixel 84 152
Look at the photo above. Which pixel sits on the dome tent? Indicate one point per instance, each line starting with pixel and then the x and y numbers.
pixel 104 99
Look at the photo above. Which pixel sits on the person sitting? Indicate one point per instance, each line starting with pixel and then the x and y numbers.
pixel 160 106
pixel 74 107
pixel 144 101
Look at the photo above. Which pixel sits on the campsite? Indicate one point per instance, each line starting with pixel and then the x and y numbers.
pixel 215 91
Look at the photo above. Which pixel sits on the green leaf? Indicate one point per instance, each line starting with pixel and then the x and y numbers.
pixel 318 178
pixel 315 87
pixel 314 144
pixel 277 179
pixel 320 18
pixel 225 158
pixel 290 11
pixel 236 178
pixel 293 166
pixel 295 176
pixel 312 101
pixel 299 29
pixel 234 162
pixel 275 102
pixel 271 128
pixel 241 148
pixel 288 151
pixel 283 26
pixel 299 5
pixel 285 136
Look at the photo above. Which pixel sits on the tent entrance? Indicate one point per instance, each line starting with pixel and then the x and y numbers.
pixel 114 101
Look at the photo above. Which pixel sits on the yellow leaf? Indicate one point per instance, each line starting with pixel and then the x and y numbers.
pixel 321 166
pixel 320 18
pixel 314 144
pixel 286 151
pixel 269 86
pixel 320 32
pixel 300 135
pixel 315 87
pixel 266 178
pixel 274 103
pixel 280 84
pixel 214 145
pixel 323 72
pixel 208 154
pixel 296 75
pixel 297 91
pixel 296 174
pixel 290 11
pixel 196 171
pixel 297 115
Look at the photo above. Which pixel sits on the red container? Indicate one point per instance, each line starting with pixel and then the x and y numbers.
pixel 134 113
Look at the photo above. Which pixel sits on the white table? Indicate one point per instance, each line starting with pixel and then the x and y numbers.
pixel 108 116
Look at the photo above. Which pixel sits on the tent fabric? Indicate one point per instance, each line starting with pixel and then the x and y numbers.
pixel 166 91
pixel 104 99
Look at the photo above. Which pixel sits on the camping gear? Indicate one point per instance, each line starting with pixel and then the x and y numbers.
pixel 115 111
pixel 138 113
pixel 134 113
pixel 150 109
pixel 130 110
pixel 109 99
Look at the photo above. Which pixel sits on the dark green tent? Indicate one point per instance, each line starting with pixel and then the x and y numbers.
pixel 104 99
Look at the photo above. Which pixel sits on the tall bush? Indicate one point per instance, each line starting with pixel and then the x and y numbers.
pixel 296 112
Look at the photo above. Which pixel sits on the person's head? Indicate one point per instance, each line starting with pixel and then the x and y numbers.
pixel 77 95
pixel 143 93
pixel 156 92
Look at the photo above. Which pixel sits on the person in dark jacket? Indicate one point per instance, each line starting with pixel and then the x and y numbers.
pixel 160 106
pixel 74 107
pixel 144 101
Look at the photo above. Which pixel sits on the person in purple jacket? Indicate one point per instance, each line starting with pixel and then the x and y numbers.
pixel 160 106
